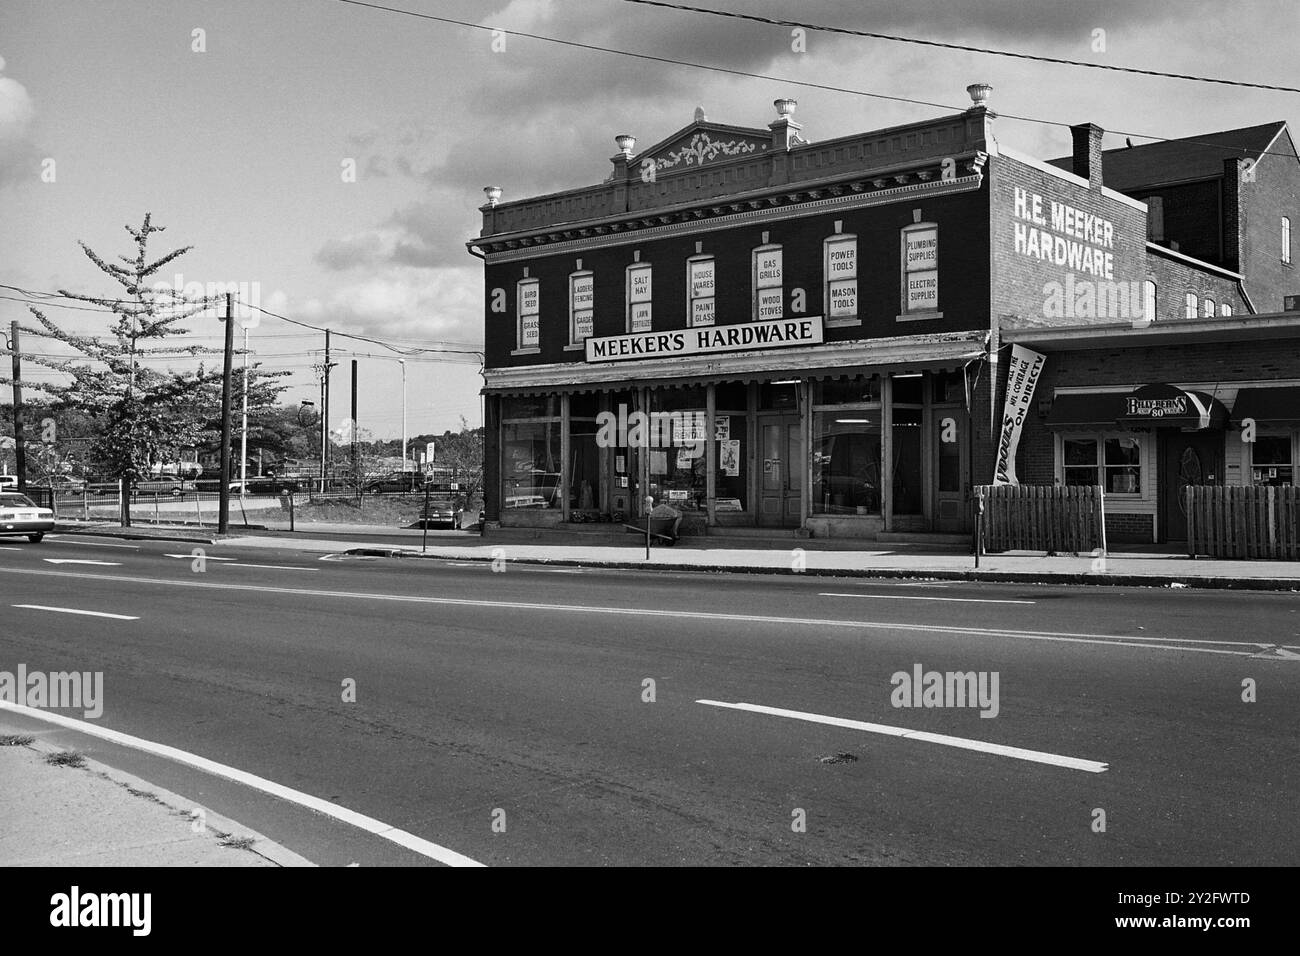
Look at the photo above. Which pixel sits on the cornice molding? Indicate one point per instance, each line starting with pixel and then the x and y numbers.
pixel 693 226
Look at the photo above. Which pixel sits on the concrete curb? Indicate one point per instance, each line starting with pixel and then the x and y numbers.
pixel 910 574
pixel 176 535
pixel 222 826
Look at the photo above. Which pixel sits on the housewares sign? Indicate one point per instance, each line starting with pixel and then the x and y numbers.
pixel 1022 375
pixel 747 336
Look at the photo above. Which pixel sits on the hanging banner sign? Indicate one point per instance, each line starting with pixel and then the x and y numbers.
pixel 1022 376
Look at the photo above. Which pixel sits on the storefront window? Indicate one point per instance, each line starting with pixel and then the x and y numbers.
pixel 1271 462
pixel 584 455
pixel 847 391
pixel 676 448
pixel 530 464
pixel 906 435
pixel 1113 463
pixel 846 462
pixel 732 451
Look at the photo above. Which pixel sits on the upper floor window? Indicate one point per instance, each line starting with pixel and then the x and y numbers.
pixel 1207 308
pixel 700 287
pixel 528 297
pixel 1149 300
pixel 769 291
pixel 1191 305
pixel 920 268
pixel 1286 239
pixel 840 255
pixel 1225 309
pixel 582 297
pixel 638 297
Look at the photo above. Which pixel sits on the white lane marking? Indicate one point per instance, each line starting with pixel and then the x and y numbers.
pixel 93 544
pixel 550 570
pixel 914 597
pixel 206 557
pixel 1109 640
pixel 71 610
pixel 964 743
pixel 271 567
pixel 107 564
pixel 359 820
pixel 12 549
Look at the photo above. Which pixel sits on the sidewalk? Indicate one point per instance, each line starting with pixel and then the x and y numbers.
pixel 815 556
pixel 82 813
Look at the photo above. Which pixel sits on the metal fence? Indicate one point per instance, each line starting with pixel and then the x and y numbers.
pixel 1047 518
pixel 1246 521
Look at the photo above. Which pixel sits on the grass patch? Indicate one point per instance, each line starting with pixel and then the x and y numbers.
pixel 66 758
pixel 16 740
pixel 237 843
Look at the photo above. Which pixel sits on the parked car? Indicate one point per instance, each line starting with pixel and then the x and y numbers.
pixel 8 482
pixel 164 486
pixel 62 484
pixel 397 481
pixel 266 485
pixel 19 515
pixel 440 511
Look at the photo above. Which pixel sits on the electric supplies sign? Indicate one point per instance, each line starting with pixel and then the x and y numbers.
pixel 1022 376
pixel 780 333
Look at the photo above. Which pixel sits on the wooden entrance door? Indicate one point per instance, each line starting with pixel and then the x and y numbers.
pixel 1191 458
pixel 781 475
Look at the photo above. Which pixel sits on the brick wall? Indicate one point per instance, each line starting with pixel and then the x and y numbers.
pixel 1175 278
pixel 1274 193
pixel 1128 527
pixel 963 276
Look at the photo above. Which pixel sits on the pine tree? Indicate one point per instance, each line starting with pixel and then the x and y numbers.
pixel 144 416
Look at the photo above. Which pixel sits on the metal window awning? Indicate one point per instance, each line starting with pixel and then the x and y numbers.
pixel 1267 405
pixel 1151 406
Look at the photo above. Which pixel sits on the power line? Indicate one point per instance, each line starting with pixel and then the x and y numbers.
pixel 789 81
pixel 771 21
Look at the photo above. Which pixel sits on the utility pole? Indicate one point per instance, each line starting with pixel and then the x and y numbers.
pixel 355 474
pixel 402 362
pixel 223 500
pixel 243 428
pixel 325 416
pixel 20 443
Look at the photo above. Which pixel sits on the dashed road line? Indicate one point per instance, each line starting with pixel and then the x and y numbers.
pixel 963 743
pixel 915 597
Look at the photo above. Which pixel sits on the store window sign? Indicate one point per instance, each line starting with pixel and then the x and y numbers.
pixel 842 259
pixel 769 268
pixel 702 278
pixel 641 317
pixel 923 290
pixel 583 325
pixel 529 326
pixel 583 292
pixel 922 249
pixel 844 298
pixel 770 302
pixel 702 312
pixel 640 284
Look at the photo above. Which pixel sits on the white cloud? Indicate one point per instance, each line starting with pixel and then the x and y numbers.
pixel 405 304
pixel 17 151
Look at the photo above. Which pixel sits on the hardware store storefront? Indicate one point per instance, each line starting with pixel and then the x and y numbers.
pixel 839 439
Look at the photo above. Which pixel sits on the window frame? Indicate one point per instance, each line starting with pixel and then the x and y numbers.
pixel 1293 439
pixel 1286 240
pixel 692 298
pixel 757 290
pixel 832 320
pixel 574 341
pixel 1099 465
pixel 1150 300
pixel 520 315
pixel 906 314
pixel 648 301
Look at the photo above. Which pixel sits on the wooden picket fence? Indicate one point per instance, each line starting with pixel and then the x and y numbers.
pixel 1248 521
pixel 1041 518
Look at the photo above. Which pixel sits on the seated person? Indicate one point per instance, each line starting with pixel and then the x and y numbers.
pixel 664 512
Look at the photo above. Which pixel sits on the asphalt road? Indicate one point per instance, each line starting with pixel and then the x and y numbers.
pixel 505 715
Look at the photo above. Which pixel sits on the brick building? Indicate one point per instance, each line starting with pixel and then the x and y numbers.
pixel 768 331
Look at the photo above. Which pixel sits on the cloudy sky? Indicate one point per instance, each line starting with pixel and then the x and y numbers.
pixel 240 150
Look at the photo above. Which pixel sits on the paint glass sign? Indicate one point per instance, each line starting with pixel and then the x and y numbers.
pixel 701 291
pixel 529 303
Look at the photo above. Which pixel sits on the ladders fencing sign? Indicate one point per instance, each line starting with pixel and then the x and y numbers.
pixel 1022 376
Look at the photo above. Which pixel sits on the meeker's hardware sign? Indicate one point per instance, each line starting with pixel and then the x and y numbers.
pixel 778 333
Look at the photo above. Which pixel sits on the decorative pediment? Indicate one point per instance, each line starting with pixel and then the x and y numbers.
pixel 702 143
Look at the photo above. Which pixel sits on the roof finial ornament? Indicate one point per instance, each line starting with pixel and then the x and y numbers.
pixel 699 114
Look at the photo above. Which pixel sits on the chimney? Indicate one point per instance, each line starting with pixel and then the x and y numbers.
pixel 1087 152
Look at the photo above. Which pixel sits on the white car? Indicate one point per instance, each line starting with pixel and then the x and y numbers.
pixel 19 515
pixel 8 482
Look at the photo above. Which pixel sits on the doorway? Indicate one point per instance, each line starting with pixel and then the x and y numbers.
pixel 948 439
pixel 1188 458
pixel 781 478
